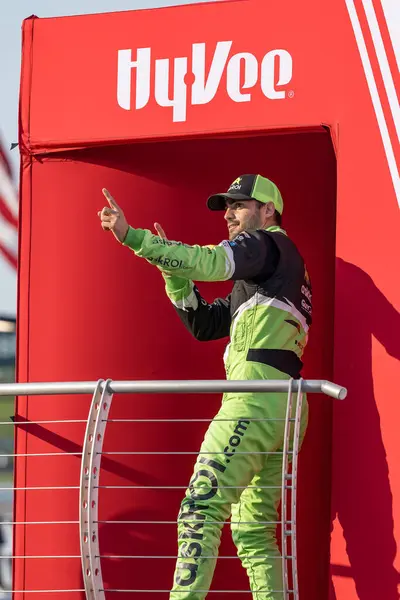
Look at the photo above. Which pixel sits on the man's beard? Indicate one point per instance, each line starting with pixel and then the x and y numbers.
pixel 251 224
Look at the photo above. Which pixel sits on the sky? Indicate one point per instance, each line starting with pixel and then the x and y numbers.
pixel 11 17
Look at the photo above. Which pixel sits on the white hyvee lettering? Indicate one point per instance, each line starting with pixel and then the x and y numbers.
pixel 243 72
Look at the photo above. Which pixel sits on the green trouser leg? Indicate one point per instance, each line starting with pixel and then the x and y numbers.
pixel 231 474
pixel 255 539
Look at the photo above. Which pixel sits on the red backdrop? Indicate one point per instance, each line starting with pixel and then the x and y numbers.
pixel 89 309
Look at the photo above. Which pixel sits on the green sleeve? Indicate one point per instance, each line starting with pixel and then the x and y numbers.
pixel 200 263
pixel 179 290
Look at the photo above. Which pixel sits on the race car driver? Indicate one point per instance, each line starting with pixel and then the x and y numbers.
pixel 267 316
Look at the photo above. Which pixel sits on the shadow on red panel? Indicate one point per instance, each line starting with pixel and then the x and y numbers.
pixel 362 498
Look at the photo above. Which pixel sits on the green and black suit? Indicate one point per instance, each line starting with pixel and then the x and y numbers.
pixel 267 316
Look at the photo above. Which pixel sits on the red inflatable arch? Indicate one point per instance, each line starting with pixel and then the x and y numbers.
pixel 164 107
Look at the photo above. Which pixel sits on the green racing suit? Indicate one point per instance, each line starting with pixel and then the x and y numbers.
pixel 239 468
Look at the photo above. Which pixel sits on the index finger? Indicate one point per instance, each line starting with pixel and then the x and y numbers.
pixel 110 199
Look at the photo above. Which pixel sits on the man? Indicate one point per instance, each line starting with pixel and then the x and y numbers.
pixel 267 315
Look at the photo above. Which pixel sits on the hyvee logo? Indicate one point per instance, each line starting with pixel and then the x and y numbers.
pixel 243 72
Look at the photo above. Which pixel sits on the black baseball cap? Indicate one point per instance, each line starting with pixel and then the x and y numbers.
pixel 248 187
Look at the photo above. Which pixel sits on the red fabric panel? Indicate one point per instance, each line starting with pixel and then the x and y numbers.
pixel 74 99
pixel 95 310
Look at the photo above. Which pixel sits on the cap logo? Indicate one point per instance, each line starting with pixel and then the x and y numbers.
pixel 236 185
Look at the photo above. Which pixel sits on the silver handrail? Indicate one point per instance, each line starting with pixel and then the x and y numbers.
pixel 293 478
pixel 92 453
pixel 85 525
pixel 284 488
pixel 202 386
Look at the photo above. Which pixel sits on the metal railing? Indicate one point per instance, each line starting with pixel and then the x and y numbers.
pixel 102 394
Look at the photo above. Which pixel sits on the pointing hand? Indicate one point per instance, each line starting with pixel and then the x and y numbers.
pixel 113 219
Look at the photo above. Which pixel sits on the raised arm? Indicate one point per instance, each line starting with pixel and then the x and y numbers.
pixel 245 257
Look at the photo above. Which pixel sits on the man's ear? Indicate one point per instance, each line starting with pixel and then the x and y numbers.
pixel 269 209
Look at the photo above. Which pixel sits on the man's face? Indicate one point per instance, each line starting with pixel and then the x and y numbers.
pixel 242 215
